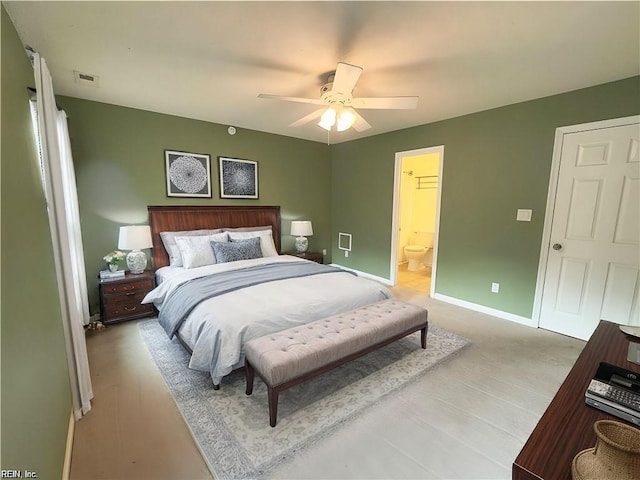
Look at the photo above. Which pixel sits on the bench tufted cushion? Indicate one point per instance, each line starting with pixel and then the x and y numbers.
pixel 288 354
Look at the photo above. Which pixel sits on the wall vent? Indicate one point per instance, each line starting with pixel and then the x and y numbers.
pixel 85 79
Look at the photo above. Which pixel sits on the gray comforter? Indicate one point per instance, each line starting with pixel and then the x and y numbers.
pixel 216 328
pixel 187 296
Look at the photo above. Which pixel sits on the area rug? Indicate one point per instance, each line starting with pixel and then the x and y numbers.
pixel 232 429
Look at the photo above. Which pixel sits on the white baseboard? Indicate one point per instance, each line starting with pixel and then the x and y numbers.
pixel 489 311
pixel 66 470
pixel 384 281
pixel 452 300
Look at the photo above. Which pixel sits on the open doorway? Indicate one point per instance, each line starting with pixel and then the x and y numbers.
pixel 416 217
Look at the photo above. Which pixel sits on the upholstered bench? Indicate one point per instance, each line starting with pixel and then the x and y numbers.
pixel 290 357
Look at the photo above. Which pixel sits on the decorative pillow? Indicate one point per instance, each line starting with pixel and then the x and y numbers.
pixel 266 240
pixel 239 250
pixel 196 250
pixel 169 241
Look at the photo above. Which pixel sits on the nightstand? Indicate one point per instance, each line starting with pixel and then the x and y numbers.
pixel 313 256
pixel 120 299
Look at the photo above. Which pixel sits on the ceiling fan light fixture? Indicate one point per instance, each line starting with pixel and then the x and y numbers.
pixel 338 107
pixel 346 118
pixel 328 119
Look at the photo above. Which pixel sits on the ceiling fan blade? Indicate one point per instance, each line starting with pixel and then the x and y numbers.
pixel 397 103
pixel 314 101
pixel 345 78
pixel 308 118
pixel 360 125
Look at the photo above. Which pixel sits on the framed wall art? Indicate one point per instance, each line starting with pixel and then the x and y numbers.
pixel 238 178
pixel 188 174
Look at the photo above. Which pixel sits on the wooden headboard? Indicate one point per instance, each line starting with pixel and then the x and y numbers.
pixel 178 218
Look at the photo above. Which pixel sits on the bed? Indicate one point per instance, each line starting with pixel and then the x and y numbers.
pixel 214 308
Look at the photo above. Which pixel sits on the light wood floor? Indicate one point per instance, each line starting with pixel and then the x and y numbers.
pixel 466 419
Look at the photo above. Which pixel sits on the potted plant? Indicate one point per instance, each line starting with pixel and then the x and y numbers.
pixel 113 259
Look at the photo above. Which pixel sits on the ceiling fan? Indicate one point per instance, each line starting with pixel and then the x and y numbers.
pixel 338 103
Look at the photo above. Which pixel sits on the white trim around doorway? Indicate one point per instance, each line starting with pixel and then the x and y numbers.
pixel 551 198
pixel 393 268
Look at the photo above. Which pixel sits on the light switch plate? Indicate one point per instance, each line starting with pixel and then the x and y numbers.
pixel 524 215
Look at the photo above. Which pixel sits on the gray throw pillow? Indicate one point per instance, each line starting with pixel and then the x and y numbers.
pixel 239 250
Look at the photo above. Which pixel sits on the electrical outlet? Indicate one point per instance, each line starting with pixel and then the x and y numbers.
pixel 346 253
pixel 495 287
pixel 324 251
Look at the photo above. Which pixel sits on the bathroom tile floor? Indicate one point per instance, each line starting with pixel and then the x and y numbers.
pixel 420 280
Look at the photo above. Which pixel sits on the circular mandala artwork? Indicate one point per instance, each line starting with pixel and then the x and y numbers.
pixel 188 174
pixel 238 178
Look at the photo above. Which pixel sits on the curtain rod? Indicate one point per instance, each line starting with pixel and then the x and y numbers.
pixel 32 92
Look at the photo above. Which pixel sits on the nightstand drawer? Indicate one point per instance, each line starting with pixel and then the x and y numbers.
pixel 129 287
pixel 133 298
pixel 124 310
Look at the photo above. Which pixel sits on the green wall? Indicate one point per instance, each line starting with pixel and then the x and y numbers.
pixel 118 155
pixel 36 396
pixel 494 163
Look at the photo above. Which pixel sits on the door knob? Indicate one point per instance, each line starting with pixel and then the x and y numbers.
pixel 557 246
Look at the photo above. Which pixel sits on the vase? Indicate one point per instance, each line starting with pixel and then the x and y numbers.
pixel 616 455
pixel 136 261
pixel 302 244
pixel 113 267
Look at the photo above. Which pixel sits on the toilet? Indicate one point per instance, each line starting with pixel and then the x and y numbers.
pixel 418 252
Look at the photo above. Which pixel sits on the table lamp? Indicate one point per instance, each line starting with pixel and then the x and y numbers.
pixel 135 238
pixel 300 230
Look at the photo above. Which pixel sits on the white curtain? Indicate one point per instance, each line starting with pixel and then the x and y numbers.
pixel 64 222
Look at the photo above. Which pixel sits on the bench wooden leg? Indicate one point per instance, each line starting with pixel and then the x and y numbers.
pixel 423 336
pixel 273 394
pixel 248 370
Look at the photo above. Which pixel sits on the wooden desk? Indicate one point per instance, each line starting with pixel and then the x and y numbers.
pixel 566 428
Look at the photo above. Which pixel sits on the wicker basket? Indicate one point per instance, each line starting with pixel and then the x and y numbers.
pixel 616 455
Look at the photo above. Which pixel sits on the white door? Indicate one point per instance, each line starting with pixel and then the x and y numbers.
pixel 593 263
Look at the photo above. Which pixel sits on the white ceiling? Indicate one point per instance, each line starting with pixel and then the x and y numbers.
pixel 210 60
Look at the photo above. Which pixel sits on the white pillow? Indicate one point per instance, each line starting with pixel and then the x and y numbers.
pixel 169 241
pixel 266 241
pixel 197 251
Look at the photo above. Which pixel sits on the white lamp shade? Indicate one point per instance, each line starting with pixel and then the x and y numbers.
pixel 328 119
pixel 135 237
pixel 301 228
pixel 342 117
pixel 346 119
